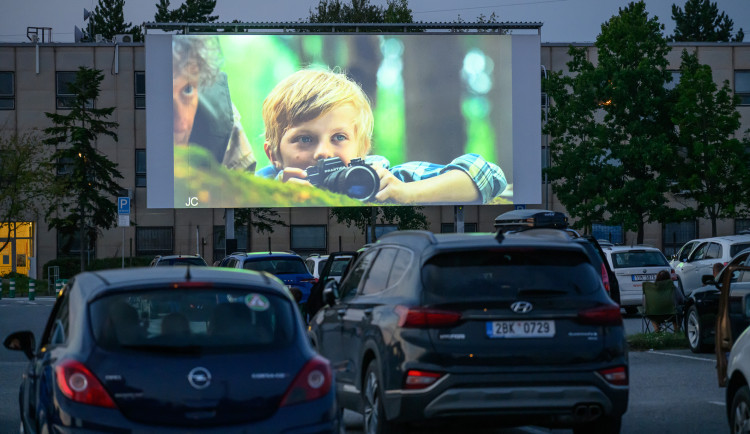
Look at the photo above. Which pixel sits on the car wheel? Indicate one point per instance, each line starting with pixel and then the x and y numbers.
pixel 694 330
pixel 603 425
pixel 631 310
pixel 375 421
pixel 739 416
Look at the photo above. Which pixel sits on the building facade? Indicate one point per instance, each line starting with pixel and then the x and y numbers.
pixel 33 78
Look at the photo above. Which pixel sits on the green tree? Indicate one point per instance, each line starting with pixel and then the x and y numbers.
pixel 612 136
pixel 702 22
pixel 84 196
pixel 361 11
pixel 108 20
pixel 259 219
pixel 406 217
pixel 713 166
pixel 24 181
pixel 192 11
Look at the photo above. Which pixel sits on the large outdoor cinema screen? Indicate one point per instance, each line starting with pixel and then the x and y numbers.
pixel 310 120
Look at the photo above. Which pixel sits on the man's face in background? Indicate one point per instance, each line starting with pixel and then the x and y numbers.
pixel 185 101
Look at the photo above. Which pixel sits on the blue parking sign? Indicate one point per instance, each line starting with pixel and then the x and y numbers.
pixel 123 205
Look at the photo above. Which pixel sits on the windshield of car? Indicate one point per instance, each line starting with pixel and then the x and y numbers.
pixel 506 274
pixel 192 320
pixel 736 248
pixel 639 258
pixel 273 265
pixel 339 264
pixel 168 262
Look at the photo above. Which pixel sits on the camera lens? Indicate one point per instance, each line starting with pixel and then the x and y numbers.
pixel 358 182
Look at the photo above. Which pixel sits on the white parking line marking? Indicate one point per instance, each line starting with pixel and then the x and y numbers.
pixel 682 356
pixel 717 403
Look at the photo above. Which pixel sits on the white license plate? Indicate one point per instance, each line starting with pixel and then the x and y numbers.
pixel 521 329
pixel 643 277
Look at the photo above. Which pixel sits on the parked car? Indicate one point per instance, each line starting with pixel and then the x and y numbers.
pixel 683 253
pixel 738 391
pixel 172 260
pixel 704 255
pixel 315 264
pixel 102 365
pixel 634 265
pixel 702 305
pixel 464 330
pixel 289 267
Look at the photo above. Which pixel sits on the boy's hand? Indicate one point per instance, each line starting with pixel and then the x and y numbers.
pixel 294 175
pixel 392 189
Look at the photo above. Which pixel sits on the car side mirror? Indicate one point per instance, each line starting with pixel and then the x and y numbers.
pixel 330 292
pixel 21 341
pixel 708 279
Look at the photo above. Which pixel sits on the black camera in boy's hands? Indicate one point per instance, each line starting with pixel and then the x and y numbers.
pixel 357 180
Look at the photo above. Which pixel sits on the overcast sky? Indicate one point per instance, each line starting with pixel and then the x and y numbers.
pixel 563 20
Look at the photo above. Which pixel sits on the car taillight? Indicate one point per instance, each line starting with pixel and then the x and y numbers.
pixel 78 384
pixel 617 376
pixel 314 280
pixel 312 382
pixel 605 277
pixel 608 314
pixel 418 317
pixel 420 379
pixel 187 285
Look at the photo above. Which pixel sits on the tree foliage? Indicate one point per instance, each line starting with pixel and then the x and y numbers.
pixel 192 11
pixel 405 217
pixel 85 190
pixel 108 20
pixel 24 180
pixel 702 22
pixel 712 167
pixel 361 11
pixel 259 219
pixel 610 125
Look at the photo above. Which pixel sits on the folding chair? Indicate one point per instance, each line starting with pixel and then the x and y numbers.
pixel 659 306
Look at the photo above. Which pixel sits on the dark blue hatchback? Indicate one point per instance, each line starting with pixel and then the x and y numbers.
pixel 226 350
pixel 289 267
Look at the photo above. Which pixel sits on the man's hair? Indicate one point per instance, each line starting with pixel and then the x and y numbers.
pixel 310 93
pixel 196 55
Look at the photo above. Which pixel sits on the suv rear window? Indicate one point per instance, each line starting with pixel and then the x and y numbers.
pixel 639 258
pixel 737 248
pixel 181 261
pixel 277 265
pixel 192 320
pixel 501 275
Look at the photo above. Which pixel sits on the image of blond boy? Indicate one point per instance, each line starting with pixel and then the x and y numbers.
pixel 316 114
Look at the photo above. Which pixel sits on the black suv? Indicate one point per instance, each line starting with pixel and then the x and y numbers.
pixel 475 329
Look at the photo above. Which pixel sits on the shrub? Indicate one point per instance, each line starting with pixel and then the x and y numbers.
pixel 657 341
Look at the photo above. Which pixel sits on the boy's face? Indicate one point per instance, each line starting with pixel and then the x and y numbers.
pixel 185 102
pixel 329 135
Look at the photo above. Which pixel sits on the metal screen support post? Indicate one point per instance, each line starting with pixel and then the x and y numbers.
pixel 459 210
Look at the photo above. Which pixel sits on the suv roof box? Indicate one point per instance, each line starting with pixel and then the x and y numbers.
pixel 522 219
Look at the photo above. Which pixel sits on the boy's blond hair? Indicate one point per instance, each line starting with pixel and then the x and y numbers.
pixel 310 93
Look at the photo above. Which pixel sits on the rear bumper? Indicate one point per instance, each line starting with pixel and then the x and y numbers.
pixel 552 399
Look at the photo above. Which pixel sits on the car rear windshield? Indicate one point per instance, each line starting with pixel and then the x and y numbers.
pixel 192 320
pixel 181 261
pixel 277 265
pixel 339 265
pixel 737 248
pixel 500 275
pixel 639 258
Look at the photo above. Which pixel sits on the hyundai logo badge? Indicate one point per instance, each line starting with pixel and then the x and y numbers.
pixel 199 378
pixel 521 307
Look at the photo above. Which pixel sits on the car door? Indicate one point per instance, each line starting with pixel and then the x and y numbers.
pixel 690 269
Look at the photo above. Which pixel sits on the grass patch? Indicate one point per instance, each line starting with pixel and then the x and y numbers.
pixel 657 341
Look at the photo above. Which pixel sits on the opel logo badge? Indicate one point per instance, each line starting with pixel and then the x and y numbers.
pixel 199 378
pixel 521 307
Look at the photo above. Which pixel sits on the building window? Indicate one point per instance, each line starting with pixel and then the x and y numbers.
pixel 613 234
pixel 380 230
pixel 742 86
pixel 7 91
pixel 140 90
pixel 151 241
pixel 220 241
pixel 449 228
pixel 70 245
pixel 742 226
pixel 65 96
pixel 64 166
pixel 674 235
pixel 140 167
pixel 308 239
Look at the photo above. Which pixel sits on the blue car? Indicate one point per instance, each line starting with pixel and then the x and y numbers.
pixel 289 267
pixel 106 363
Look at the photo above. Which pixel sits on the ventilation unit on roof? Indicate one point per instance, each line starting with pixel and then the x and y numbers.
pixel 120 39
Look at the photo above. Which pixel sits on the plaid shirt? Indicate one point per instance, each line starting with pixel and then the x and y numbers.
pixel 489 178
